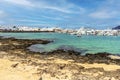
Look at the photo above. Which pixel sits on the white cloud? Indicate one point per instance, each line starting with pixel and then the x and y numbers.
pixel 109 9
pixel 34 21
pixel 53 18
pixel 61 5
pixel 58 9
pixel 3 17
pixel 2 14
pixel 103 14
pixel 20 2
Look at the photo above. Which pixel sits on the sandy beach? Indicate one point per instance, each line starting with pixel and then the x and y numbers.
pixel 18 63
pixel 22 72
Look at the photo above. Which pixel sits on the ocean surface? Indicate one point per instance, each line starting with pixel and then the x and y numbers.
pixel 84 44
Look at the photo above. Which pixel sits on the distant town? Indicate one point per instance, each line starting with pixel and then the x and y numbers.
pixel 81 31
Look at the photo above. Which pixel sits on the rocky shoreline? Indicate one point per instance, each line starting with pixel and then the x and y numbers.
pixel 60 64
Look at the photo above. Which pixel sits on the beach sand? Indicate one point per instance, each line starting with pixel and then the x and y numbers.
pixel 22 72
pixel 17 63
pixel 15 70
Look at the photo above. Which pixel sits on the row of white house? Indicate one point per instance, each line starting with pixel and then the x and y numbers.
pixel 79 32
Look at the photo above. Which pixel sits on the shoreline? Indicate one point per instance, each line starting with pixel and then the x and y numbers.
pixel 24 31
pixel 57 64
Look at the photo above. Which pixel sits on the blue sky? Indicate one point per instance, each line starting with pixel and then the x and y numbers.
pixel 93 13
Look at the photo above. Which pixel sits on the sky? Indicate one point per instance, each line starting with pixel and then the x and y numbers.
pixel 67 13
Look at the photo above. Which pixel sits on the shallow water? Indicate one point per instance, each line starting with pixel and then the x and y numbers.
pixel 84 44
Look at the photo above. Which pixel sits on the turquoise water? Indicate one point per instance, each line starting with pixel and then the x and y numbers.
pixel 84 44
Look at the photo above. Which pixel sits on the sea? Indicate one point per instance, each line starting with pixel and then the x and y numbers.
pixel 85 44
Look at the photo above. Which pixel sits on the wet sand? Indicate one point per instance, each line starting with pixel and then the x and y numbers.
pixel 18 63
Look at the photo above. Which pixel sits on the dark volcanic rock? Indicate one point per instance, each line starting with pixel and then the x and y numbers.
pixel 116 28
pixel 23 44
pixel 98 55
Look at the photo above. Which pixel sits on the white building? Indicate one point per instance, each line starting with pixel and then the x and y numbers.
pixel 25 28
